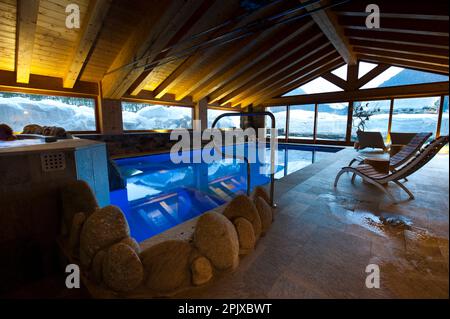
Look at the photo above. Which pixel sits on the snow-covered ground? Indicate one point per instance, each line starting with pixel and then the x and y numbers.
pixel 157 117
pixel 19 111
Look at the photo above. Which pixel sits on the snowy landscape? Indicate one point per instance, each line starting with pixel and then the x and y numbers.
pixel 78 114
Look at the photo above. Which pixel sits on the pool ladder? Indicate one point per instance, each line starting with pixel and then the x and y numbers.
pixel 272 149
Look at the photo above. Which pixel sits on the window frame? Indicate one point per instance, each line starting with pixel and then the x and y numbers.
pixel 64 94
pixel 158 103
pixel 218 108
pixel 348 141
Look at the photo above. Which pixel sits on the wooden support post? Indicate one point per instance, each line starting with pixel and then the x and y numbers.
pixel 348 136
pixel 441 110
pixel 110 116
pixel 201 114
pixel 391 111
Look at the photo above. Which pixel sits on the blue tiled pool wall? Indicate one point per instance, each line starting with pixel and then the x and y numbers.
pixel 161 194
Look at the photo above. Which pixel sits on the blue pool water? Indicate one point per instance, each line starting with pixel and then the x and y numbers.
pixel 161 194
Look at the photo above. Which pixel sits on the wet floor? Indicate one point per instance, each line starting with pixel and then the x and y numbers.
pixel 323 239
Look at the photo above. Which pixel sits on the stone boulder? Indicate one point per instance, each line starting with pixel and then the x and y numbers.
pixel 246 235
pixel 242 206
pixel 75 232
pixel 105 227
pixel 167 266
pixel 97 266
pixel 122 268
pixel 76 197
pixel 215 237
pixel 265 213
pixel 202 271
pixel 260 192
pixel 130 241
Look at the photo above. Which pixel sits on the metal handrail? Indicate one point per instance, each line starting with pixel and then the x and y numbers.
pixel 272 149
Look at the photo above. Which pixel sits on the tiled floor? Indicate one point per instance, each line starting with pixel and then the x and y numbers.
pixel 323 238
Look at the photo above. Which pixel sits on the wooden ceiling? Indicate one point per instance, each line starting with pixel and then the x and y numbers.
pixel 233 53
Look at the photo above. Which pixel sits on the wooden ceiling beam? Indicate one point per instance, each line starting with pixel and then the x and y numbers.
pixel 339 82
pixel 401 48
pixel 284 55
pixel 332 64
pixel 257 54
pixel 27 14
pixel 369 76
pixel 398 9
pixel 399 38
pixel 40 84
pixel 416 90
pixel 216 14
pixel 146 96
pixel 403 56
pixel 406 25
pixel 312 70
pixel 405 64
pixel 313 51
pixel 327 22
pixel 152 35
pixel 90 29
pixel 198 67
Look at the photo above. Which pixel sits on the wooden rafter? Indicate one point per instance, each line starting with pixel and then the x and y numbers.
pixel 153 34
pixel 27 13
pixel 203 65
pixel 339 82
pixel 407 57
pixel 416 90
pixel 401 48
pixel 196 23
pixel 311 51
pixel 436 27
pixel 405 64
pixel 327 22
pixel 255 56
pixel 41 84
pixel 284 56
pixel 91 26
pixel 369 76
pixel 307 73
pixel 146 96
pixel 414 10
pixel 399 38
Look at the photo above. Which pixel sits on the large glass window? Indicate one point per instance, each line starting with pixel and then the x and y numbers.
pixel 332 121
pixel 415 115
pixel 371 116
pixel 364 68
pixel 395 76
pixel 280 120
pixel 444 123
pixel 70 113
pixel 226 122
pixel 141 116
pixel 301 121
pixel 318 85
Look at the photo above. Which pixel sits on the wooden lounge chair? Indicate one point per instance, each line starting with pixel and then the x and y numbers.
pixel 408 151
pixel 370 139
pixel 374 177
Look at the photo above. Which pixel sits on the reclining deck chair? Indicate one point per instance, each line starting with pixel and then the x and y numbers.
pixel 410 149
pixel 374 177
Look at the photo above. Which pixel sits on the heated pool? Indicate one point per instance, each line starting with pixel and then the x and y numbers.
pixel 161 194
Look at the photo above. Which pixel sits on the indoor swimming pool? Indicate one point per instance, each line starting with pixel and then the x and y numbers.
pixel 161 194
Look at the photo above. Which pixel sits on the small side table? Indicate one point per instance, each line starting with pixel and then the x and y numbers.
pixel 380 164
